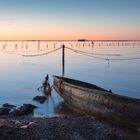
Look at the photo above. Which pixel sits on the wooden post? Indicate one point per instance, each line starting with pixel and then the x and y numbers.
pixel 63 60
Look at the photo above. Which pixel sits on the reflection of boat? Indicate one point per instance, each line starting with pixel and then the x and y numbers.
pixel 91 99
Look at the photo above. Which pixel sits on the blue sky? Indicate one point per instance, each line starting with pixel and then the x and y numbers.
pixel 71 18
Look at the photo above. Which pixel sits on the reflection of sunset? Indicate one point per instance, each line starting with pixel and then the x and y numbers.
pixel 18 57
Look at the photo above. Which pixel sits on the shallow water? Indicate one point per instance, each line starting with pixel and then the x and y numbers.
pixel 20 76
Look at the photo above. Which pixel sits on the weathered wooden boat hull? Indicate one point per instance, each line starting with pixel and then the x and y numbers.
pixel 91 99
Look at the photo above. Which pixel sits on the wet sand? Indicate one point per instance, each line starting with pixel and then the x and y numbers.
pixel 63 128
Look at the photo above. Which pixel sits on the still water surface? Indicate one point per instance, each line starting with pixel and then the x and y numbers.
pixel 20 76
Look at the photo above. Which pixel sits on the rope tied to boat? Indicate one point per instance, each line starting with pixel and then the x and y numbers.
pixel 44 82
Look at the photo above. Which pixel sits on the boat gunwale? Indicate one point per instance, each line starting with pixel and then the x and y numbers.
pixel 80 83
pixel 104 91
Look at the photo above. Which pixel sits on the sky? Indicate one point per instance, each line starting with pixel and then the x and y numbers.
pixel 69 19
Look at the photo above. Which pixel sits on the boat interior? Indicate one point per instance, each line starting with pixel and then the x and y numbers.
pixel 80 83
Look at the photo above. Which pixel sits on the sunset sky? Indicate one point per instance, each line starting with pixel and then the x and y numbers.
pixel 69 19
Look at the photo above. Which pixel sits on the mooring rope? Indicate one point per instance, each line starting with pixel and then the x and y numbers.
pixel 35 55
pixel 92 55
pixel 88 54
pixel 11 53
pixel 31 55
pixel 103 54
pixel 108 59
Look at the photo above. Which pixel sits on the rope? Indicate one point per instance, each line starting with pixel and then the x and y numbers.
pixel 101 58
pixel 101 53
pixel 11 53
pixel 88 54
pixel 108 59
pixel 33 55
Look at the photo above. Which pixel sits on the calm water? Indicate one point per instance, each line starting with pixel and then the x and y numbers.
pixel 20 76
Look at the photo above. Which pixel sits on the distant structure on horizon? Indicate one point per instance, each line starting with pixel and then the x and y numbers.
pixel 82 40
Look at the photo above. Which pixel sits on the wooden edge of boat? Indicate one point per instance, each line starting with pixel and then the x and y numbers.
pixel 89 86
pixel 95 100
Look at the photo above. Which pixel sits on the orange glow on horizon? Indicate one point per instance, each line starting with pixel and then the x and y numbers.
pixel 29 30
pixel 62 36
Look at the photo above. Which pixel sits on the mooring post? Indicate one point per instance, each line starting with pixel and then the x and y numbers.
pixel 63 60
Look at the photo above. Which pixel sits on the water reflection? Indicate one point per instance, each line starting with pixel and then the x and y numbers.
pixel 21 76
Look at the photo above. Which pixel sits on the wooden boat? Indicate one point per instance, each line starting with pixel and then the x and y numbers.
pixel 94 100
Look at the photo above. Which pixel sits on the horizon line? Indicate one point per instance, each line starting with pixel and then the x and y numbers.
pixel 59 40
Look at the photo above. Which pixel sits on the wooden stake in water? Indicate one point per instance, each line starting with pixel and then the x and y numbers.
pixel 63 60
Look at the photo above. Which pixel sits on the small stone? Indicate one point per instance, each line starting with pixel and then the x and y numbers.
pixel 24 126
pixel 6 105
pixel 2 122
pixel 65 117
pixel 16 112
pixel 25 109
pixel 40 99
pixel 31 123
pixel 4 111
pixel 17 122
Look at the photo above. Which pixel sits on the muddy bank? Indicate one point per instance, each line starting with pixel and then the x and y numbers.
pixel 63 128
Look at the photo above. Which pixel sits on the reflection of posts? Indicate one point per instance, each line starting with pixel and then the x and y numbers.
pixel 3 47
pixel 26 46
pixel 92 44
pixel 118 43
pixel 15 46
pixel 38 45
pixel 63 60
pixel 108 64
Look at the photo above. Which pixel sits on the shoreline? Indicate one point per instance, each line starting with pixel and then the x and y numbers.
pixel 62 127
